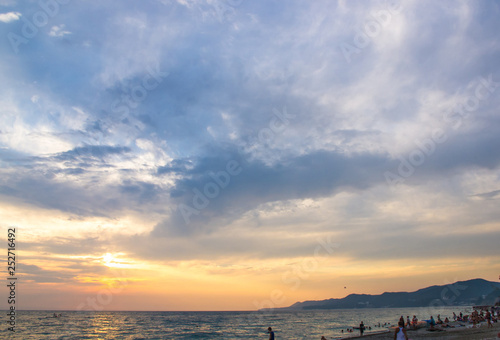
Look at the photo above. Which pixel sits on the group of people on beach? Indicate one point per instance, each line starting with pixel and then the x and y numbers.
pixel 485 314
pixel 475 317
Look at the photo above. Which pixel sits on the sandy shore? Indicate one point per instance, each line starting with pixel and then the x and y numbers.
pixel 461 333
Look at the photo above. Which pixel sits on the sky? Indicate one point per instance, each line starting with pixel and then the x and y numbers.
pixel 234 154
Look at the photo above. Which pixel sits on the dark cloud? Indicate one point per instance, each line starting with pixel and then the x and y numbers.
pixel 314 175
pixel 176 166
pixel 42 191
pixel 489 195
pixel 432 160
pixel 71 270
pixel 72 171
pixel 91 153
pixel 317 174
pixel 141 192
pixel 40 275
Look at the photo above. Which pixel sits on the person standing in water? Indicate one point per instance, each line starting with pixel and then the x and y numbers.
pixel 361 328
pixel 271 333
pixel 400 333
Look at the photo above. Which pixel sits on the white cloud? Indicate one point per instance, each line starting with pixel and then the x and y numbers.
pixel 58 31
pixel 10 16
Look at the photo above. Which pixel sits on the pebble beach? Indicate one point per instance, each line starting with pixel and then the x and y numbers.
pixel 457 332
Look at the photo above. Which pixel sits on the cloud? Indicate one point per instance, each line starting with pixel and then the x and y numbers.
pixel 10 16
pixel 73 181
pixel 91 153
pixel 59 31
pixel 40 275
pixel 314 175
pixel 68 246
pixel 107 127
pixel 492 195
pixel 176 166
pixel 68 271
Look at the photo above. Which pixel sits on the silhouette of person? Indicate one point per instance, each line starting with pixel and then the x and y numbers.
pixel 271 333
pixel 361 328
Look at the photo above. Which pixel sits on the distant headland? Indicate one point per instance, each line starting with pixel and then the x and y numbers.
pixel 461 293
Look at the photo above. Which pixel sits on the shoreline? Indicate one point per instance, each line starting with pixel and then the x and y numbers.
pixel 465 332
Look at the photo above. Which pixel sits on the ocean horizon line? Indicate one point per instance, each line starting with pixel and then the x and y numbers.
pixel 267 311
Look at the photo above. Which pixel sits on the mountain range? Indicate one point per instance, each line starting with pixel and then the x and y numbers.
pixel 461 293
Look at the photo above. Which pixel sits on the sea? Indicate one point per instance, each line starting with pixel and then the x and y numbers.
pixel 212 325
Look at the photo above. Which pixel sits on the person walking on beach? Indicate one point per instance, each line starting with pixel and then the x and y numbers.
pixel 488 318
pixel 400 333
pixel 475 318
pixel 271 333
pixel 361 328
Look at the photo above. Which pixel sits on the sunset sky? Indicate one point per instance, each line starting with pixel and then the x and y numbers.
pixel 236 154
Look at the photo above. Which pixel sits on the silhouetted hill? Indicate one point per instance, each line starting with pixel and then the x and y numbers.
pixel 461 293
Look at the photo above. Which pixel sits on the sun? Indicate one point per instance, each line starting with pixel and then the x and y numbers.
pixel 113 260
